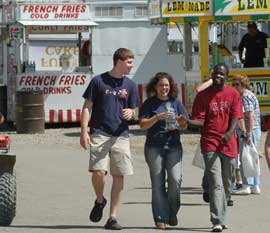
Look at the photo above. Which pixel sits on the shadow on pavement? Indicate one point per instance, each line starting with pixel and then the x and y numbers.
pixel 149 203
pixel 137 203
pixel 57 227
pixel 191 190
pixel 196 229
pixel 77 134
pixel 193 204
pixel 66 227
pixel 143 188
pixel 184 190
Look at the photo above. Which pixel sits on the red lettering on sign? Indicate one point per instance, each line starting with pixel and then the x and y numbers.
pixel 72 80
pixel 28 81
pixel 73 8
pixel 40 8
pixel 22 78
pixel 37 80
pixel 39 16
pixel 56 90
pixel 83 9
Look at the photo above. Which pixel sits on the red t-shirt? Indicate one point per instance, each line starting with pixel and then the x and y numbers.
pixel 268 123
pixel 217 109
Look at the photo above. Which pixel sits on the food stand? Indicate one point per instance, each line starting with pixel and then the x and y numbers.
pixel 206 13
pixel 259 77
pixel 52 66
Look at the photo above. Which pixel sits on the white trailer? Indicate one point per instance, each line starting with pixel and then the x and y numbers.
pixel 45 41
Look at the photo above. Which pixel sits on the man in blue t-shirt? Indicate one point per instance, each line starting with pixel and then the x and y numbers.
pixel 112 97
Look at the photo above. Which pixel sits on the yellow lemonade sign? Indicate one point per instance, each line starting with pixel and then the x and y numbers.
pixel 242 7
pixel 186 8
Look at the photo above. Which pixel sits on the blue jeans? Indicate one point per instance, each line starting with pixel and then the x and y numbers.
pixel 205 183
pixel 162 160
pixel 218 168
pixel 256 136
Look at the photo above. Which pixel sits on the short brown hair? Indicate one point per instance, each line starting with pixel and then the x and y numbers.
pixel 122 54
pixel 243 79
pixel 150 87
pixel 252 25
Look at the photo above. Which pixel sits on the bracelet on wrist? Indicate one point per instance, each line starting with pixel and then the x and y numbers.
pixel 246 134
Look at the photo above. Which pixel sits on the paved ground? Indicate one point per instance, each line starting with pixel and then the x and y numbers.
pixel 54 192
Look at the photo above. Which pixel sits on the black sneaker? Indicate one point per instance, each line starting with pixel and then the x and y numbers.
pixel 230 202
pixel 96 213
pixel 237 186
pixel 173 220
pixel 206 197
pixel 112 224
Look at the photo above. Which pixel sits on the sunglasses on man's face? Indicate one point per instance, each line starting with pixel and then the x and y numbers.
pixel 236 84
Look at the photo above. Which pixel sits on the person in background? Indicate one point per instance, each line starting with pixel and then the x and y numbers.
pixel 254 42
pixel 253 130
pixel 163 151
pixel 112 97
pixel 267 148
pixel 205 84
pixel 86 53
pixel 2 118
pixel 216 110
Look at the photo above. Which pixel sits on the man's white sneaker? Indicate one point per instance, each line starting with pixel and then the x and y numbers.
pixel 217 228
pixel 245 190
pixel 255 189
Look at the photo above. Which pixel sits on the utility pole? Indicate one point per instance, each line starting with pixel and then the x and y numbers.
pixel 3 37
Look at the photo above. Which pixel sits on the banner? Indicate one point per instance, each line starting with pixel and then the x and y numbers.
pixel 187 8
pixel 52 84
pixel 241 7
pixel 62 93
pixel 54 12
pixel 56 29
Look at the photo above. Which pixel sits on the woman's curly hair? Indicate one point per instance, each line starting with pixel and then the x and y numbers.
pixel 151 86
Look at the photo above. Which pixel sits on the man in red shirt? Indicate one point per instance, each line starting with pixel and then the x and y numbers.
pixel 216 111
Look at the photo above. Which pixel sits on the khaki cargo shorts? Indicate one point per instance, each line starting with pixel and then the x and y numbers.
pixel 113 149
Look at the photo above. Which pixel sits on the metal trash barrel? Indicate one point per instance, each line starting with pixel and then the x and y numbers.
pixel 3 100
pixel 30 117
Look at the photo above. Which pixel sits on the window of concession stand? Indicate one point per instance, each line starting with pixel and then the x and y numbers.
pixel 50 54
pixel 218 21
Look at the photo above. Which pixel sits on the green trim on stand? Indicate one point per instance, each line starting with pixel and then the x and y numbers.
pixel 191 19
pixel 259 17
pixel 223 18
pixel 220 18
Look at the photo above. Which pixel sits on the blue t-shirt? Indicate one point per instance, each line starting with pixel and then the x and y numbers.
pixel 109 96
pixel 158 134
